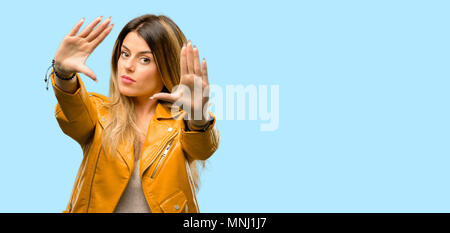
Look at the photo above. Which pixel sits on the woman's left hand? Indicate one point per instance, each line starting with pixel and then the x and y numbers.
pixel 193 92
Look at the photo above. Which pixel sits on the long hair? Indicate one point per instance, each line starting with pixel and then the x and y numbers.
pixel 165 40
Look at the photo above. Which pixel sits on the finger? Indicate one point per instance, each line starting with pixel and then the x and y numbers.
pixel 164 96
pixel 102 36
pixel 190 58
pixel 76 28
pixel 183 64
pixel 205 72
pixel 89 28
pixel 88 72
pixel 197 68
pixel 98 30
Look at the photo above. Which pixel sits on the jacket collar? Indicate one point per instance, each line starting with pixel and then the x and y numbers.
pixel 163 111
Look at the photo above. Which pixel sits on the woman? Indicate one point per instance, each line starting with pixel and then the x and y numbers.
pixel 141 145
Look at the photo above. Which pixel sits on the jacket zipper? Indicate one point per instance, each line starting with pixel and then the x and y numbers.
pixel 159 152
pixel 166 150
pixel 191 184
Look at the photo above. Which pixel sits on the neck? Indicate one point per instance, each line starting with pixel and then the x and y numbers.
pixel 144 107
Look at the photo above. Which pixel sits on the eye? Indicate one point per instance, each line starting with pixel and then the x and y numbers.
pixel 145 60
pixel 124 54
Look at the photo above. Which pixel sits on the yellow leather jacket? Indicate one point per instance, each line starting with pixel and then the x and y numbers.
pixel 166 179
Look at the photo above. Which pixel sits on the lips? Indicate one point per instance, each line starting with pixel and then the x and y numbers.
pixel 128 78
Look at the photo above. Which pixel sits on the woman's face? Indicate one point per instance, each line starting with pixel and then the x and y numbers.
pixel 136 68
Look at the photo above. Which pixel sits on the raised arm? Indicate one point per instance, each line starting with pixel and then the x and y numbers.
pixel 200 137
pixel 75 112
pixel 74 50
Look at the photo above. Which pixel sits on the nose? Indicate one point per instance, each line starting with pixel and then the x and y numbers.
pixel 129 65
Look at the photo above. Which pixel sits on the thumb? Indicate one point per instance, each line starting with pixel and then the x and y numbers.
pixel 164 96
pixel 88 72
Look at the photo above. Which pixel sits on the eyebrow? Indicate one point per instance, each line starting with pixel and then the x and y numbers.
pixel 142 52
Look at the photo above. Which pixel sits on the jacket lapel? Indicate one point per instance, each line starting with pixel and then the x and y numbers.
pixel 125 150
pixel 157 134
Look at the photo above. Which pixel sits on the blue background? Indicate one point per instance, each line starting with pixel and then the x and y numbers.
pixel 364 92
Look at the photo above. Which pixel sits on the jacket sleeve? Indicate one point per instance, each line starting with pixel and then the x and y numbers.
pixel 75 113
pixel 200 145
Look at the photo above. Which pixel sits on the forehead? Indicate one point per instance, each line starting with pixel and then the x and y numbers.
pixel 135 42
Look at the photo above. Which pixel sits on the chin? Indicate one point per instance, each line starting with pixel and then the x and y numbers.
pixel 127 92
pixel 133 92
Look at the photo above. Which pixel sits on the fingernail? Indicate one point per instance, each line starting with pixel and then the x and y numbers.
pixel 195 46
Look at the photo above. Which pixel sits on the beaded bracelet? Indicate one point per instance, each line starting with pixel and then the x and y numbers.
pixel 47 79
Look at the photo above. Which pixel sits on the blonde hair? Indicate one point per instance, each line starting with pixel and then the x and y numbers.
pixel 165 40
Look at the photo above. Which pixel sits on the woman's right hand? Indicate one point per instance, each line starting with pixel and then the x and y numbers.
pixel 74 50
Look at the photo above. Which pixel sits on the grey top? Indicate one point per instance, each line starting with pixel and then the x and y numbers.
pixel 133 198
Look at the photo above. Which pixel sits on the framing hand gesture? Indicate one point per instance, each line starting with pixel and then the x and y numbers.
pixel 74 50
pixel 193 92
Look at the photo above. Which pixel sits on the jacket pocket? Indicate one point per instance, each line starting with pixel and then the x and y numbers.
pixel 176 203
